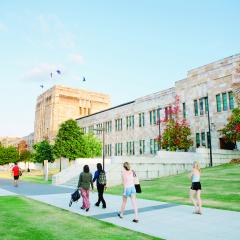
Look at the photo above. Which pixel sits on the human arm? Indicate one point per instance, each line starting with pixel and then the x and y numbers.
pixel 91 181
pixel 80 181
pixel 96 175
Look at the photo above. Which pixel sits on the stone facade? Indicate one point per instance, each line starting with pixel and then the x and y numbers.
pixel 10 141
pixel 61 103
pixel 210 86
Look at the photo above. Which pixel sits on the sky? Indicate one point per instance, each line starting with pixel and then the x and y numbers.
pixel 124 48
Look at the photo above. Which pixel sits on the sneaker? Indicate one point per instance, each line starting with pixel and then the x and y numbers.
pixel 135 220
pixel 97 204
pixel 104 207
pixel 119 214
pixel 82 208
pixel 87 209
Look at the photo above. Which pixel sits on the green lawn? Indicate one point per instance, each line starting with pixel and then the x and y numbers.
pixel 35 176
pixel 22 218
pixel 220 188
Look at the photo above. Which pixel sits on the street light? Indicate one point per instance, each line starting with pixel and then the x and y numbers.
pixel 103 140
pixel 159 127
pixel 209 130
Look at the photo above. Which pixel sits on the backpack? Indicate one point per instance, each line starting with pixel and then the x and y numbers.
pixel 102 178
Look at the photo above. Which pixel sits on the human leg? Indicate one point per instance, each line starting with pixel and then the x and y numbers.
pixel 134 204
pixel 199 200
pixel 191 194
pixel 124 202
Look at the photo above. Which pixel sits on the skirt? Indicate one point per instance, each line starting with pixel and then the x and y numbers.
pixel 196 186
pixel 129 191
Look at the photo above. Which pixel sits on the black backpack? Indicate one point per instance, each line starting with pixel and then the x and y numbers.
pixel 74 197
pixel 102 178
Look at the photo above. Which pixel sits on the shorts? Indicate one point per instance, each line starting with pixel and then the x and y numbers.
pixel 129 191
pixel 16 177
pixel 196 186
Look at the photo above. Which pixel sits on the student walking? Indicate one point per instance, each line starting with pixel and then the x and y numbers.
pixel 128 191
pixel 100 178
pixel 16 173
pixel 84 182
pixel 196 188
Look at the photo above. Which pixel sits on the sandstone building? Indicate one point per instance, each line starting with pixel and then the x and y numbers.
pixel 131 128
pixel 61 103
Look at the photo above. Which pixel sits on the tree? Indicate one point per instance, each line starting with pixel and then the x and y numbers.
pixel 26 156
pixel 231 131
pixel 92 147
pixel 43 151
pixel 69 141
pixel 177 133
pixel 8 155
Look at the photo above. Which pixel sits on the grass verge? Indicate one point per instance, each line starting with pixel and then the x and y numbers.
pixel 220 188
pixel 23 218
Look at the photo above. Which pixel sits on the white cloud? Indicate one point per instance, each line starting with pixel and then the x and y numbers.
pixel 76 58
pixel 41 73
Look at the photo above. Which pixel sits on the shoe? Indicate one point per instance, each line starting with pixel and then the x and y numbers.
pixel 135 220
pixel 104 207
pixel 119 214
pixel 82 208
pixel 97 204
pixel 87 209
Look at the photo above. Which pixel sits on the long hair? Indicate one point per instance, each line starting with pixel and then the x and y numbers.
pixel 196 165
pixel 99 167
pixel 126 165
pixel 86 169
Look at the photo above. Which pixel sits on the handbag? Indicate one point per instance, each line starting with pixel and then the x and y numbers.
pixel 136 183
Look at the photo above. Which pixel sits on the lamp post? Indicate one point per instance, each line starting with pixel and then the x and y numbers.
pixel 159 126
pixel 103 142
pixel 210 136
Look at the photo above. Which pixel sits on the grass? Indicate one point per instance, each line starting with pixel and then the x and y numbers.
pixel 220 188
pixel 23 218
pixel 35 176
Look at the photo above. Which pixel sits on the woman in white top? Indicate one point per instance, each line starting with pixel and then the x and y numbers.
pixel 196 188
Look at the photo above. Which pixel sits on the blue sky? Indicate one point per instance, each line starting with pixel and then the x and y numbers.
pixel 127 48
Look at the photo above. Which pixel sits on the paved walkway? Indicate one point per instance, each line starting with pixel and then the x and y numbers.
pixel 165 220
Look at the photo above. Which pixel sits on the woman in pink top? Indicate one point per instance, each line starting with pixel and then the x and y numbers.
pixel 129 191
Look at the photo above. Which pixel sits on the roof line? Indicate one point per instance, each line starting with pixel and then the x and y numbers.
pixel 105 110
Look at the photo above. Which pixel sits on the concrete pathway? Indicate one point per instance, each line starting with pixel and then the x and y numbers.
pixel 165 220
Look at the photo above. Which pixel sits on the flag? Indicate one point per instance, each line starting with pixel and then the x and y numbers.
pixel 58 71
pixel 51 74
pixel 84 79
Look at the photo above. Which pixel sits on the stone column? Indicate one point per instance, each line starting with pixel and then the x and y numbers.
pixel 46 170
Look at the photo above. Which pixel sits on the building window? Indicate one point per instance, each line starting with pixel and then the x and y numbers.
pixel 206 104
pixel 203 138
pixel 130 122
pixel 99 126
pixel 118 124
pixel 142 147
pixel 130 148
pixel 90 129
pixel 153 117
pixel 154 146
pixel 224 100
pixel 197 140
pixel 218 100
pixel 196 107
pixel 141 119
pixel 184 110
pixel 231 100
pixel 166 113
pixel 118 149
pixel 208 139
pixel 201 102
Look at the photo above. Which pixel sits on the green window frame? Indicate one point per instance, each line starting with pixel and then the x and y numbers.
pixel 206 104
pixel 203 138
pixel 151 146
pixel 218 101
pixel 231 100
pixel 184 110
pixel 196 107
pixel 197 140
pixel 201 103
pixel 151 117
pixel 224 100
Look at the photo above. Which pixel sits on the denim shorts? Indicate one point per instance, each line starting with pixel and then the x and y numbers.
pixel 129 191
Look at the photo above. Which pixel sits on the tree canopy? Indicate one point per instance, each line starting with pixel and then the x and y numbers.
pixel 231 131
pixel 43 151
pixel 72 143
pixel 8 155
